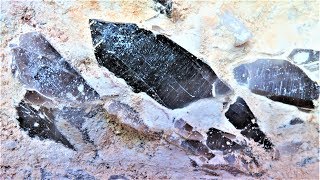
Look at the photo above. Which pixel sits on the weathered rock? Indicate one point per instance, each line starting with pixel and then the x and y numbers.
pixel 240 115
pixel 39 66
pixel 153 64
pixel 278 80
pixel 45 175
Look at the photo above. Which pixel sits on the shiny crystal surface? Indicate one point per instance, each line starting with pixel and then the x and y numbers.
pixel 39 66
pixel 240 115
pixel 218 140
pixel 153 64
pixel 278 80
pixel 40 123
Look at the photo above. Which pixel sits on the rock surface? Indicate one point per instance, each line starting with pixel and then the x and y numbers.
pixel 108 142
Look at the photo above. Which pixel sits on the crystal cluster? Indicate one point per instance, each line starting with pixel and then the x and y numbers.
pixel 58 99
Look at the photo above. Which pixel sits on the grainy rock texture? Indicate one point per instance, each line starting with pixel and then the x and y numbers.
pixel 127 135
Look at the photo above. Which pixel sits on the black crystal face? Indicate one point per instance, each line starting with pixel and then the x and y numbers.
pixel 153 64
pixel 40 123
pixel 218 140
pixel 39 66
pixel 38 116
pixel 278 80
pixel 240 115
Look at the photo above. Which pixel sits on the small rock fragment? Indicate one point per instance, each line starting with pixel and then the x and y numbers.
pixel 45 175
pixel 296 121
pixel 117 177
pixel 304 56
pixel 185 130
pixel 236 27
pixel 164 6
pixel 278 80
pixel 10 145
pixel 39 66
pixel 153 64
pixel 308 58
pixel 197 148
pixel 240 115
pixel 307 161
pixel 78 174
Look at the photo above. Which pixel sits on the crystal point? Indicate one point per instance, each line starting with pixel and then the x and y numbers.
pixel 153 64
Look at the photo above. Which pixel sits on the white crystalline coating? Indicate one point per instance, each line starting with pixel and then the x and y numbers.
pixel 236 27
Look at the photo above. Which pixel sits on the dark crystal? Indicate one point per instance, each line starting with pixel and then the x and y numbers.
pixel 279 80
pixel 46 119
pixel 153 64
pixel 39 66
pixel 40 123
pixel 240 115
pixel 218 140
pixel 296 121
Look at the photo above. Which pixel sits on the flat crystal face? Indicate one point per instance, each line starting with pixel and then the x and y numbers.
pixel 40 123
pixel 218 140
pixel 39 66
pixel 240 115
pixel 153 64
pixel 278 80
